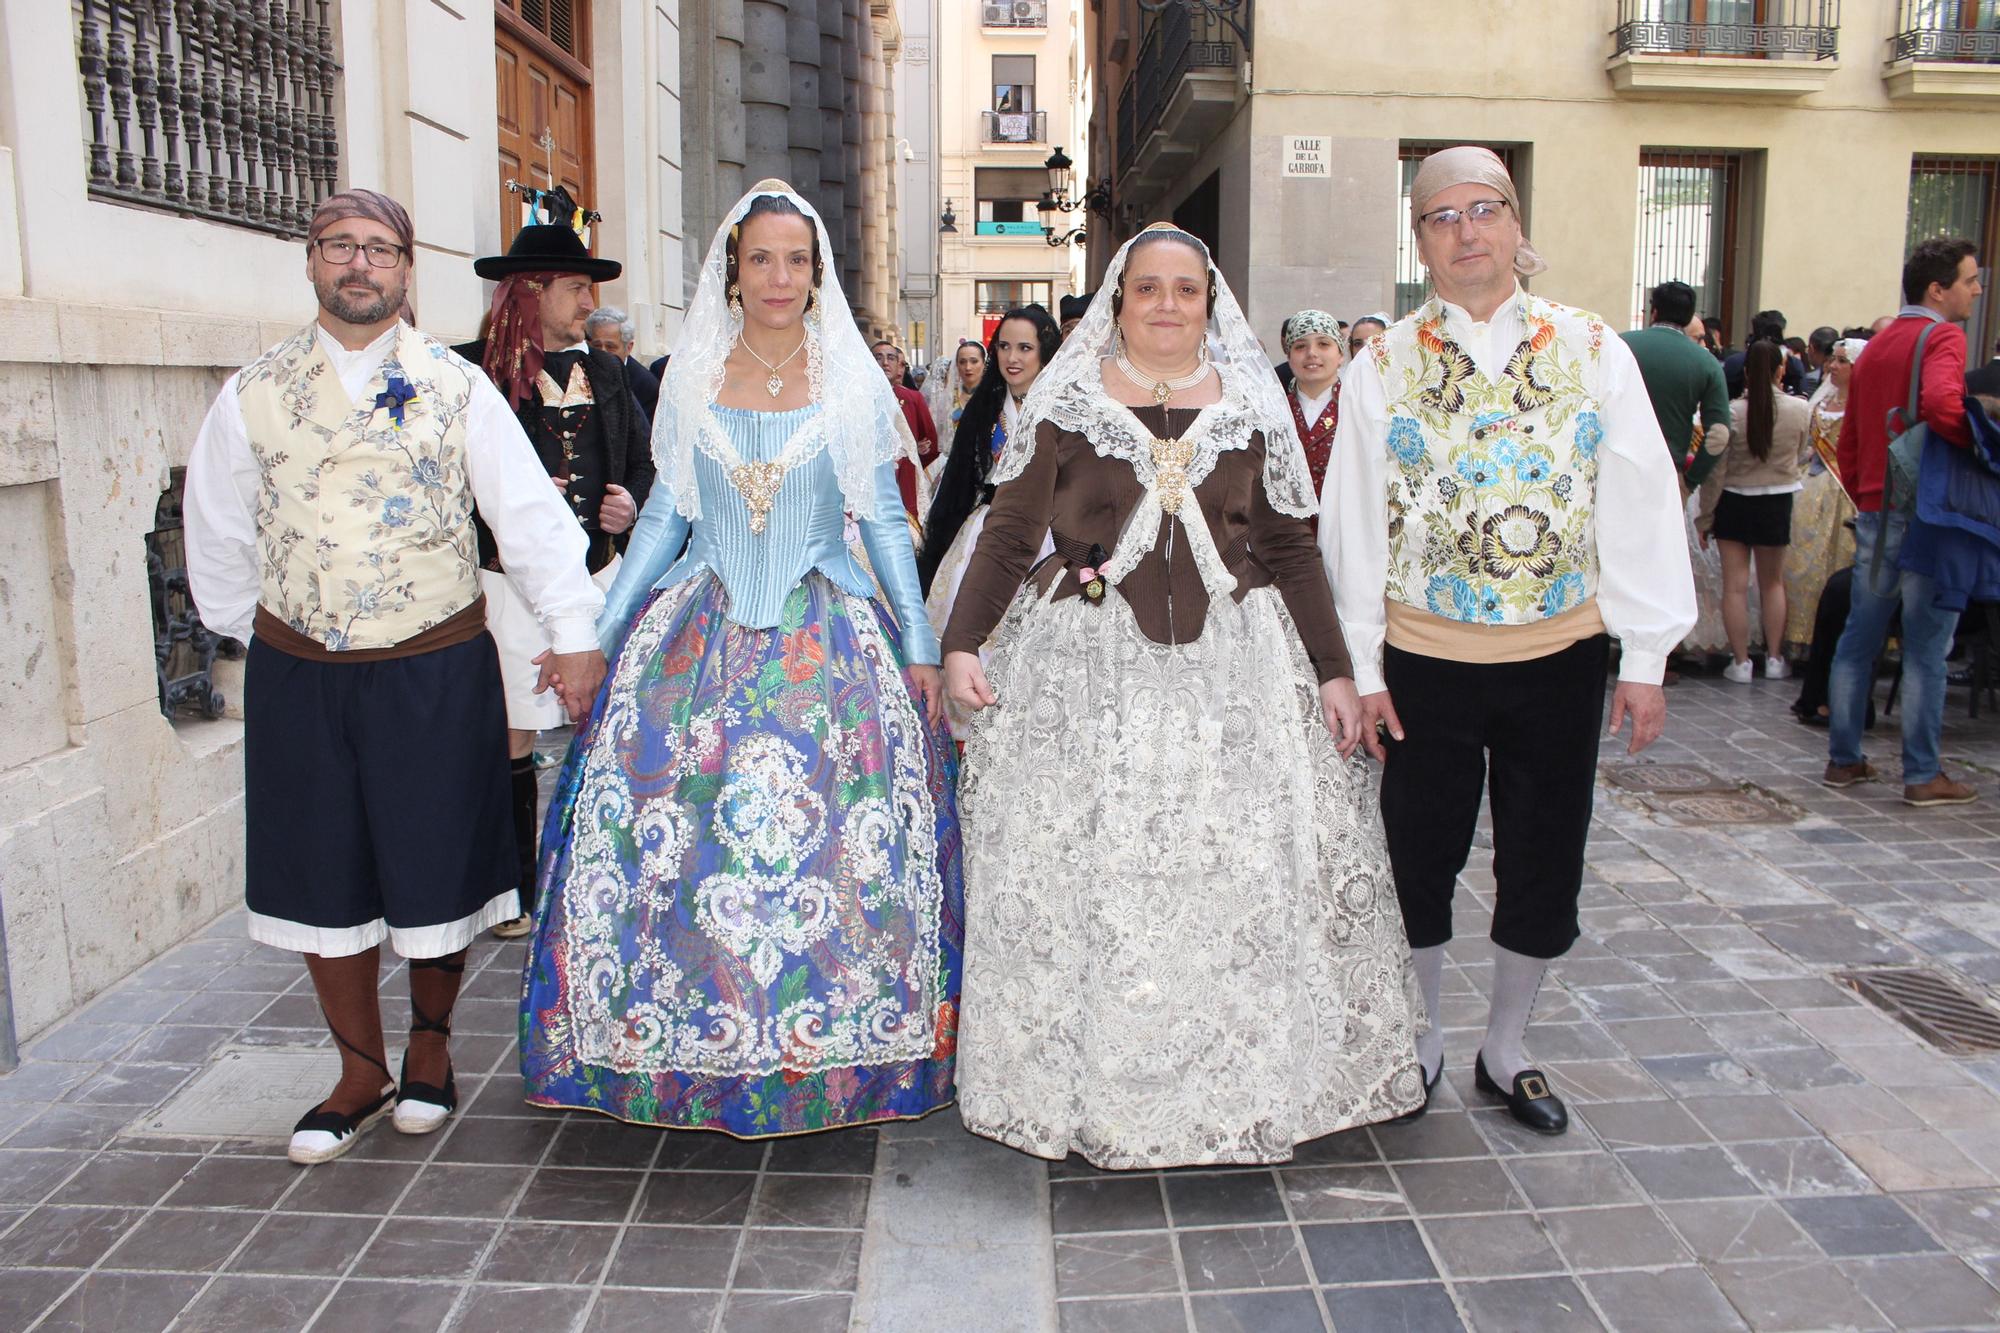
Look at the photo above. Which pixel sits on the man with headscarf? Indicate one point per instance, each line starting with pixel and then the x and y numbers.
pixel 329 524
pixel 1500 503
pixel 575 405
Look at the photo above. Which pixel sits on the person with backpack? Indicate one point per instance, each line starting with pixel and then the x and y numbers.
pixel 1912 377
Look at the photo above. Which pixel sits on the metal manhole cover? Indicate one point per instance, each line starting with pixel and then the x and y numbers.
pixel 1665 778
pixel 1728 806
pixel 1934 1007
pixel 248 1093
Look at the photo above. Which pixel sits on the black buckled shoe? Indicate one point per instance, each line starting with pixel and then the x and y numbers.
pixel 1531 1101
pixel 1430 1086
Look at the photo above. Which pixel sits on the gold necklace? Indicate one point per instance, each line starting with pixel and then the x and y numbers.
pixel 1164 389
pixel 776 384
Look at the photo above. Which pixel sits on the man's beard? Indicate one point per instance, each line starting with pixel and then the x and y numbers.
pixel 356 304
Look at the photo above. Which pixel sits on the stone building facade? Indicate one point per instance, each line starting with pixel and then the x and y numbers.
pixel 1780 156
pixel 154 184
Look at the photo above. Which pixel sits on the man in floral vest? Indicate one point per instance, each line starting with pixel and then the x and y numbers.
pixel 1501 506
pixel 329 524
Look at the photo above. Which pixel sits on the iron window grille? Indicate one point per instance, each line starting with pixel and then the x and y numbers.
pixel 1754 28
pixel 1947 30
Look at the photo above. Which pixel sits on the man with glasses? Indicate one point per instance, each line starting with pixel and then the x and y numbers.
pixel 1500 503
pixel 329 524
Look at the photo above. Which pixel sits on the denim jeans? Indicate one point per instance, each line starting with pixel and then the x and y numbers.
pixel 1926 638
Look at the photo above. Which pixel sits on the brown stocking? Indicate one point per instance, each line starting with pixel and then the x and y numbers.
pixel 433 992
pixel 347 989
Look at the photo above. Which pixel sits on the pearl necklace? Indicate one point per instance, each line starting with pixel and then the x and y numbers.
pixel 776 384
pixel 1162 390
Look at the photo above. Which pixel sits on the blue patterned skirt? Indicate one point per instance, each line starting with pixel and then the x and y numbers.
pixel 752 910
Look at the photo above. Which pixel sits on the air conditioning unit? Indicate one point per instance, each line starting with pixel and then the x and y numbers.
pixel 998 16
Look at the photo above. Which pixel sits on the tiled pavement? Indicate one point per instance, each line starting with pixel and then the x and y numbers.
pixel 1752 1146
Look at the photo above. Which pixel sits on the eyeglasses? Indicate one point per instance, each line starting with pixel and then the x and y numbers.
pixel 338 250
pixel 1483 214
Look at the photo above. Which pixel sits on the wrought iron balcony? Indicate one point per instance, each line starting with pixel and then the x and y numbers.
pixel 219 109
pixel 1959 31
pixel 1758 29
pixel 1183 86
pixel 1014 127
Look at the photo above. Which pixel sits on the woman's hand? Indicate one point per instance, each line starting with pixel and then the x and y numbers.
pixel 931 685
pixel 965 682
pixel 1342 706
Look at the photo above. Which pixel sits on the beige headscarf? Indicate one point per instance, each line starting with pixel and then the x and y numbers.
pixel 1469 165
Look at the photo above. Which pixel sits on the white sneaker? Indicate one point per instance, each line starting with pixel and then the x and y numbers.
pixel 1776 668
pixel 1740 673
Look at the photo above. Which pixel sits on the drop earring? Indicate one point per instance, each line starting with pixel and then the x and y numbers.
pixel 736 303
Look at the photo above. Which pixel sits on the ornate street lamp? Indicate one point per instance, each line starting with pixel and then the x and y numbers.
pixel 1056 199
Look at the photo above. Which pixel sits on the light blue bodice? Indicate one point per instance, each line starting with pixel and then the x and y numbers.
pixel 806 530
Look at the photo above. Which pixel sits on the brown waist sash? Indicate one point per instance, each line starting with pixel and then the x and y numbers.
pixel 448 633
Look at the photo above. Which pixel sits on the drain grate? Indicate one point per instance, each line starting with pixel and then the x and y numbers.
pixel 1932 1006
pixel 247 1093
pixel 1729 805
pixel 1661 778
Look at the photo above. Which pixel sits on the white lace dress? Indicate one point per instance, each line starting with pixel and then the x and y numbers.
pixel 1182 939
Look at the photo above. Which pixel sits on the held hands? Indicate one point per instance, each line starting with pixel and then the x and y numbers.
pixel 574 677
pixel 1342 707
pixel 1647 707
pixel 965 682
pixel 930 684
pixel 618 511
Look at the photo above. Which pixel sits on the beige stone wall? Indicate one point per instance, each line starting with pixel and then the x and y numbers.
pixel 1829 169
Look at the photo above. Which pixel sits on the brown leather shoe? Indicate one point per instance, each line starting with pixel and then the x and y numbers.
pixel 1846 775
pixel 1940 790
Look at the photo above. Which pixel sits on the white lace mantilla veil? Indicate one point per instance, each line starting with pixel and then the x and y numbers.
pixel 1070 393
pixel 860 423
pixel 939 382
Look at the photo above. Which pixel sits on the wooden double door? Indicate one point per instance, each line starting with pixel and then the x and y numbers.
pixel 541 54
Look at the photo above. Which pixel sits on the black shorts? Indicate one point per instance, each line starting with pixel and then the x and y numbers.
pixel 376 801
pixel 1754 520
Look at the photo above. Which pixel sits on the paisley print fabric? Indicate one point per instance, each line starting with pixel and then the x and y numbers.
pixel 752 908
pixel 1491 503
pixel 1183 938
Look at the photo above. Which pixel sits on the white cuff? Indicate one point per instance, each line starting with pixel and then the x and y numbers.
pixel 573 634
pixel 1641 668
pixel 1368 678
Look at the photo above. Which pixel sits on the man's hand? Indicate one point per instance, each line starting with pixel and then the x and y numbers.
pixel 1378 713
pixel 618 511
pixel 1647 707
pixel 574 677
pixel 1342 708
pixel 930 684
pixel 965 682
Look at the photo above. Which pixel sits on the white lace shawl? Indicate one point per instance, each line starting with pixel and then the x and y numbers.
pixel 1070 393
pixel 860 424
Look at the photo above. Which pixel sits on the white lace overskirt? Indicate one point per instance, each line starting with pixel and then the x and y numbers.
pixel 1182 938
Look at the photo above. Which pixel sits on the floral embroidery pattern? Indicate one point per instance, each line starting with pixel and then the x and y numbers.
pixel 1485 526
pixel 364 507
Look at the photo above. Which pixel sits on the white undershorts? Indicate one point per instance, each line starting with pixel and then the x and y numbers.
pixel 521 639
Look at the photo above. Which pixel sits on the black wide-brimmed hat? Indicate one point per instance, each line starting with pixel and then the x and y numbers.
pixel 548 247
pixel 1072 307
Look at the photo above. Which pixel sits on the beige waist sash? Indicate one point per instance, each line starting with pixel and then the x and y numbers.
pixel 1427 635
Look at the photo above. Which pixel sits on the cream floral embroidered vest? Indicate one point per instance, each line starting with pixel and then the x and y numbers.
pixel 1492 503
pixel 364 523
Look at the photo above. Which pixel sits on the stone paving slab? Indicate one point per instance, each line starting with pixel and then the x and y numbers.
pixel 1753 1147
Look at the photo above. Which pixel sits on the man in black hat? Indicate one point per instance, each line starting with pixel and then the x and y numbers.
pixel 1071 309
pixel 573 402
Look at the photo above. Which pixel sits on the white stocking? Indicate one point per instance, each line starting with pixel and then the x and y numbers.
pixel 1516 978
pixel 1430 979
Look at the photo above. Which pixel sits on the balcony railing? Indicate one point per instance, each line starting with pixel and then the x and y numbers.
pixel 219 109
pixel 1013 13
pixel 1960 31
pixel 1753 28
pixel 1004 127
pixel 1179 43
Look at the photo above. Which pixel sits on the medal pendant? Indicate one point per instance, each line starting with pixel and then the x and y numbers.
pixel 758 484
pixel 1161 392
pixel 775 385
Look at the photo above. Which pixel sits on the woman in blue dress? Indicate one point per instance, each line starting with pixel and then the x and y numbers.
pixel 752 910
